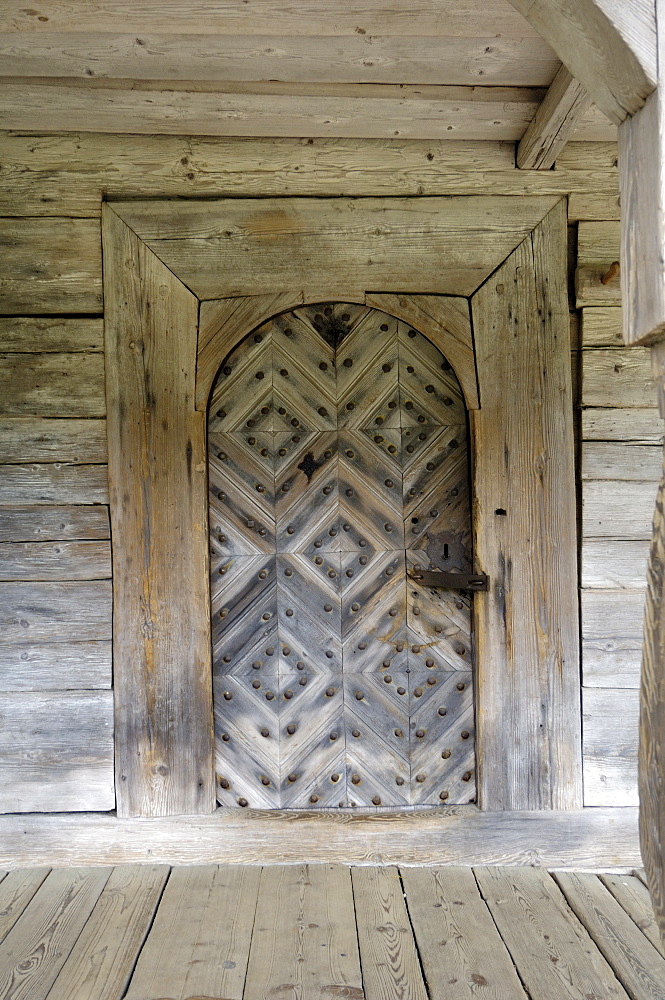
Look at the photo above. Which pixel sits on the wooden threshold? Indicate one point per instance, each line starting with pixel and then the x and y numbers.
pixel 591 839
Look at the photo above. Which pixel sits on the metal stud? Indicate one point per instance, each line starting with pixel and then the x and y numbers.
pixel 335 777
pixel 461 686
pixel 444 795
pixel 359 696
pixel 466 776
pixel 265 732
pixel 330 691
pixel 443 711
pixel 226 737
pixel 288 694
pixel 465 734
pixel 313 799
pixel 292 777
pixel 355 733
pixel 399 781
pixel 445 753
pixel 355 779
pixel 420 778
pixel 265 780
pixel 227 696
pixel 399 733
pixel 420 733
pixel 376 800
pixel 291 728
pixel 224 782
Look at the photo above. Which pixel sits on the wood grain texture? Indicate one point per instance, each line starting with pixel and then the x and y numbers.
pixel 636 963
pixel 51 266
pixel 39 439
pixel 552 950
pixel 52 334
pixel 55 611
pixel 17 889
pixel 613 663
pixel 460 835
pixel 43 524
pixel 641 425
pixel 304 933
pixel 633 895
pixel 459 945
pixel 69 174
pixel 161 648
pixel 619 462
pixel 518 549
pixel 55 483
pixel 199 942
pixel 221 248
pixel 614 565
pixel 56 751
pixel 55 666
pixel 52 385
pixel 602 326
pixel 101 962
pixel 55 561
pixel 371 111
pixel 624 510
pixel 610 723
pixel 621 378
pixel 554 122
pixel 33 952
pixel 612 614
pixel 388 956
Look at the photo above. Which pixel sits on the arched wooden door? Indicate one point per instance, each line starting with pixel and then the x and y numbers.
pixel 338 464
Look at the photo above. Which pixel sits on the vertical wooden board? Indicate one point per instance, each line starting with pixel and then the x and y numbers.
pixel 636 963
pixel 16 891
pixel 36 948
pixel 554 955
pixel 632 893
pixel 611 724
pixel 461 950
pixel 528 715
pixel 304 941
pixel 101 962
pixel 388 956
pixel 159 522
pixel 199 942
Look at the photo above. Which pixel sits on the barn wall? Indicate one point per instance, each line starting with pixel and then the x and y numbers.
pixel 55 594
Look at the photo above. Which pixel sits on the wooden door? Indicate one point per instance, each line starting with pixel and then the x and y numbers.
pixel 337 441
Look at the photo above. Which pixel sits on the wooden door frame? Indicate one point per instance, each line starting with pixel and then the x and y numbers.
pixel 163 263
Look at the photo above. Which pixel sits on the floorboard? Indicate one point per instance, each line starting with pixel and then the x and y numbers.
pixel 315 932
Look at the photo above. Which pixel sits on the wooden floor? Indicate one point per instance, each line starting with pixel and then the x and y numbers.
pixel 321 931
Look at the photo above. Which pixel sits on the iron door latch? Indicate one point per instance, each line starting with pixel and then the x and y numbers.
pixel 452 581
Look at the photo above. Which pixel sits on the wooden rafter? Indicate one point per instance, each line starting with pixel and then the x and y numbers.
pixel 555 121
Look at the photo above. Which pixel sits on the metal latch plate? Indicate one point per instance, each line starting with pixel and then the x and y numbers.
pixel 452 581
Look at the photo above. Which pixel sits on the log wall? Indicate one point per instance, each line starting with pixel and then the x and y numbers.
pixel 55 590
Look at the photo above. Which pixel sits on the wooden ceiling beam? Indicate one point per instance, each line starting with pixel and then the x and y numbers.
pixel 563 108
pixel 611 52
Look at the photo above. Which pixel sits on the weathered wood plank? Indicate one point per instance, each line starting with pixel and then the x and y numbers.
pixel 643 426
pixel 42 335
pixel 279 109
pixel 633 895
pixel 637 964
pixel 511 542
pixel 612 614
pixel 55 611
pixel 55 666
pixel 627 461
pixel 69 174
pixel 160 533
pixel 614 565
pixel 491 61
pixel 623 510
pixel 51 266
pixel 56 751
pixel 554 122
pixel 611 663
pixel 554 954
pixel 102 960
pixel 16 891
pixel 34 950
pixel 458 942
pixel 617 378
pixel 304 933
pixel 38 439
pixel 593 206
pixel 52 385
pixel 43 524
pixel 55 561
pixel 232 245
pixel 390 963
pixel 610 726
pixel 53 483
pixel 200 940
pixel 602 327
pixel 591 290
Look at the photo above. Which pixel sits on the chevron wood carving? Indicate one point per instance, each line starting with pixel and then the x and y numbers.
pixel 338 469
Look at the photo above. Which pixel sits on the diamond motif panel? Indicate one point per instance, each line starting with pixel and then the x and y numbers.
pixel 338 471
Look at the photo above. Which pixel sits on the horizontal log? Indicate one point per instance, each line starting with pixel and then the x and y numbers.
pixel 55 560
pixel 617 509
pixel 54 483
pixel 592 290
pixel 611 565
pixel 56 751
pixel 610 726
pixel 43 524
pixel 60 612
pixel 571 839
pixel 42 335
pixel 613 663
pixel 43 439
pixel 260 17
pixel 617 378
pixel 597 248
pixel 602 327
pixel 617 615
pixel 52 385
pixel 622 461
pixel 644 426
pixel 593 206
pixel 69 174
pixel 359 58
pixel 50 266
pixel 55 666
pixel 373 111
